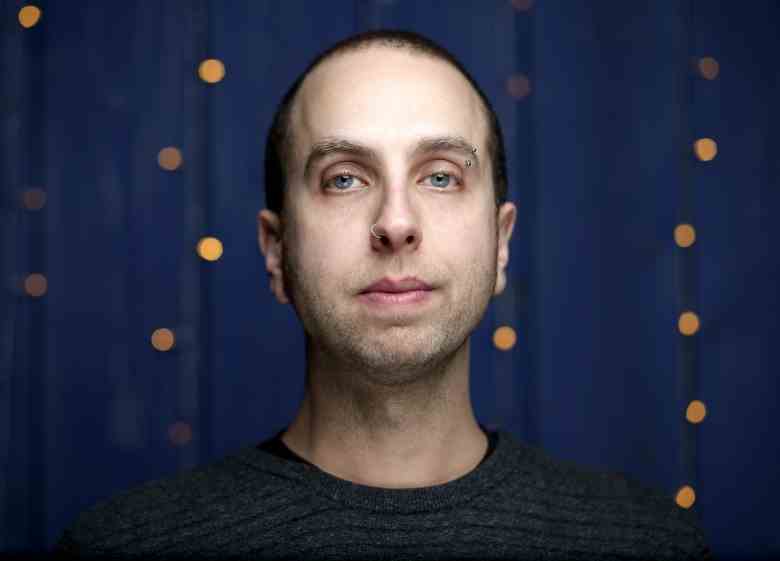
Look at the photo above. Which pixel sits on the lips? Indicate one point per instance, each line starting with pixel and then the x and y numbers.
pixel 388 285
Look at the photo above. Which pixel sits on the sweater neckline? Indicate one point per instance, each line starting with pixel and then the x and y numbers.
pixel 489 473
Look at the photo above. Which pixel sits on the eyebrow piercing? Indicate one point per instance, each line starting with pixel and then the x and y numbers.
pixel 473 151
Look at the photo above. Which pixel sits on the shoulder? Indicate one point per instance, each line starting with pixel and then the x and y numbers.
pixel 591 506
pixel 157 512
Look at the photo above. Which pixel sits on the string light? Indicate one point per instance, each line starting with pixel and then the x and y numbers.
pixel 163 339
pixel 705 149
pixel 696 412
pixel 209 248
pixel 35 285
pixel 169 158
pixel 685 497
pixel 708 68
pixel 29 16
pixel 684 235
pixel 688 324
pixel 211 70
pixel 504 338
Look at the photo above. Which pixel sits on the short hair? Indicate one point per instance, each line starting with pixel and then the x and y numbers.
pixel 279 142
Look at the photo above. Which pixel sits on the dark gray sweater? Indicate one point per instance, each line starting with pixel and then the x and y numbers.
pixel 517 504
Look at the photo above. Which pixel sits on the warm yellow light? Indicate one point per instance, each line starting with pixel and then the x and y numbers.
pixel 169 158
pixel 686 496
pixel 35 285
pixel 211 70
pixel 34 199
pixel 163 339
pixel 180 433
pixel 696 412
pixel 705 149
pixel 684 235
pixel 518 86
pixel 209 248
pixel 688 324
pixel 29 15
pixel 708 68
pixel 504 338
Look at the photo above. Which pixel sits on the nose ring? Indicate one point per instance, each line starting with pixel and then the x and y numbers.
pixel 371 229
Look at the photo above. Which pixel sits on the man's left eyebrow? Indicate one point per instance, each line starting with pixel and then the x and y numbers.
pixel 448 144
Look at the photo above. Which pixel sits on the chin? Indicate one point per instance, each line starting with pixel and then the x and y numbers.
pixel 399 363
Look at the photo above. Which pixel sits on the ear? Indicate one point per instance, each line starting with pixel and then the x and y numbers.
pixel 269 234
pixel 506 224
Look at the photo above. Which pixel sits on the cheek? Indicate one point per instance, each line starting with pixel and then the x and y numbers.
pixel 329 252
pixel 467 232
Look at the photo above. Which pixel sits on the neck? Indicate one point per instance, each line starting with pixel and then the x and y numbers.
pixel 416 433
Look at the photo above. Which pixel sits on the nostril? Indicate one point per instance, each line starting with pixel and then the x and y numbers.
pixel 409 239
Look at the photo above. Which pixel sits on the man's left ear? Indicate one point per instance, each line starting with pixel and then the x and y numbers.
pixel 506 224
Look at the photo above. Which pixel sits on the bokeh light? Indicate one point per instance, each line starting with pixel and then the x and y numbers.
pixel 209 248
pixel 705 149
pixel 522 5
pixel 211 70
pixel 34 199
pixel 685 497
pixel 504 338
pixel 169 158
pixel 35 285
pixel 180 433
pixel 163 339
pixel 684 235
pixel 688 324
pixel 518 86
pixel 708 67
pixel 29 16
pixel 696 412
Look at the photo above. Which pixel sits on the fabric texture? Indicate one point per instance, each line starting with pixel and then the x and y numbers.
pixel 519 503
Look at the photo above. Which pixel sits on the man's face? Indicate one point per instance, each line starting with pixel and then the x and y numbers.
pixel 376 136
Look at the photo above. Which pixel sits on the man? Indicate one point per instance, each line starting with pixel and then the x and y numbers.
pixel 388 231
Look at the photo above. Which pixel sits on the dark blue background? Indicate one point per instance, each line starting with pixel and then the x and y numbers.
pixel 601 169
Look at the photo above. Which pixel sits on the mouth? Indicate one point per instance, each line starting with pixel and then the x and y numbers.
pixel 389 292
pixel 391 286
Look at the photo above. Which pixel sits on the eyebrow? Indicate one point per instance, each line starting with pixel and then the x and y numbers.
pixel 447 144
pixel 330 145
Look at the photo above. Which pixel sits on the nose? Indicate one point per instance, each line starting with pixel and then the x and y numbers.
pixel 397 228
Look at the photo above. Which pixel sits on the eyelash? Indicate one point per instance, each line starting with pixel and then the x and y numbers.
pixel 453 176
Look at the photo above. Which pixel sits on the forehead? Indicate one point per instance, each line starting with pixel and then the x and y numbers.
pixel 386 98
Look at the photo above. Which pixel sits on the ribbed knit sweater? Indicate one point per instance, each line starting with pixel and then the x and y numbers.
pixel 519 503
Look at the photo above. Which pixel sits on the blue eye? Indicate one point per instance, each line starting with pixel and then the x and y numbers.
pixel 343 182
pixel 440 179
